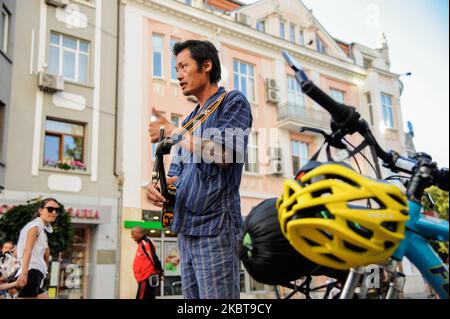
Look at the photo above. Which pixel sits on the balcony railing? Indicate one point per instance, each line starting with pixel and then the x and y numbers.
pixel 293 116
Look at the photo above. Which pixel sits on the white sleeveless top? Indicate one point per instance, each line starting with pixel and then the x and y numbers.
pixel 37 260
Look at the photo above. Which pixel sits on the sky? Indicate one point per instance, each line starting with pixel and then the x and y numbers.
pixel 417 32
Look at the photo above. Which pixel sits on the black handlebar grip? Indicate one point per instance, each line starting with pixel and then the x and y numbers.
pixel 337 110
pixel 442 180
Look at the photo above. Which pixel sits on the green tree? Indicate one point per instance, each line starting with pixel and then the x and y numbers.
pixel 16 218
pixel 441 206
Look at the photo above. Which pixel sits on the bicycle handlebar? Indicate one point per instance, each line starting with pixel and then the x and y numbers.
pixel 346 120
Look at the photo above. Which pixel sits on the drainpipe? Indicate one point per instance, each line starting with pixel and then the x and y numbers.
pixel 117 156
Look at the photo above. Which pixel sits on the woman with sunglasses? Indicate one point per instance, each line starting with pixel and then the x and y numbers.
pixel 33 251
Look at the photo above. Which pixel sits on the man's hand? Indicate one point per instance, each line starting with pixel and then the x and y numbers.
pixel 154 195
pixel 154 126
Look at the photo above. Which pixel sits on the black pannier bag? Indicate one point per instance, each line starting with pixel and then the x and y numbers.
pixel 268 256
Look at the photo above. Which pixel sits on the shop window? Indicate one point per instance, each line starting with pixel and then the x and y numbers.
pixel 168 252
pixel 68 275
pixel 64 145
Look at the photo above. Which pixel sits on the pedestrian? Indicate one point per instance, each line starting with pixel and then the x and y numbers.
pixel 33 250
pixel 7 248
pixel 207 172
pixel 146 265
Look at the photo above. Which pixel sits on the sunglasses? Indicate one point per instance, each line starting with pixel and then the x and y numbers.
pixel 57 210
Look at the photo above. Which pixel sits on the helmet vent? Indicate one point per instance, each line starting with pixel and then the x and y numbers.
pixel 391 226
pixel 310 242
pixel 291 192
pixel 388 244
pixel 313 212
pixel 354 247
pixel 333 257
pixel 343 179
pixel 369 203
pixel 326 234
pixel 399 200
pixel 321 193
pixel 360 230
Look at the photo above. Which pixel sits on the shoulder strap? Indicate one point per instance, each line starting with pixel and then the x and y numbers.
pixel 154 258
pixel 144 250
pixel 201 117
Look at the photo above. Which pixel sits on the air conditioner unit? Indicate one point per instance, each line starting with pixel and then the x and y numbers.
pixel 272 84
pixel 273 96
pixel 276 167
pixel 58 3
pixel 275 152
pixel 50 82
pixel 243 19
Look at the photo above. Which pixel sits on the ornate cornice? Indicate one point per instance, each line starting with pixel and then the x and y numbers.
pixel 227 26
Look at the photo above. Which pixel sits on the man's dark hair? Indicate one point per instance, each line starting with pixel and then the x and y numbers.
pixel 200 52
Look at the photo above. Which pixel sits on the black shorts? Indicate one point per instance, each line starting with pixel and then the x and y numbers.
pixel 33 286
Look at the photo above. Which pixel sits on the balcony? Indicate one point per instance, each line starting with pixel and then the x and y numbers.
pixel 292 117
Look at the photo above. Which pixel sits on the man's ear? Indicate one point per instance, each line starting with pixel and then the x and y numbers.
pixel 207 65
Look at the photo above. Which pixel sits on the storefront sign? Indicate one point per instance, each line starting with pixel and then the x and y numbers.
pixel 80 215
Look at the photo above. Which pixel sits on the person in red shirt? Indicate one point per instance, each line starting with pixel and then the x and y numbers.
pixel 146 265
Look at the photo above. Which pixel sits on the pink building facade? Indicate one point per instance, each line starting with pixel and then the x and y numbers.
pixel 250 40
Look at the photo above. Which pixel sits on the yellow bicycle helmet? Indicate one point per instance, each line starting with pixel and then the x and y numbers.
pixel 326 217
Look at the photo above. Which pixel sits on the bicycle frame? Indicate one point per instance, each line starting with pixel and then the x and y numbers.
pixel 419 252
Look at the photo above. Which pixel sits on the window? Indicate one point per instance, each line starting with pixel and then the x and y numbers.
pixel 320 45
pixel 244 79
pixel 261 25
pixel 367 63
pixel 5 23
pixel 282 31
pixel 295 94
pixel 301 38
pixel 69 57
pixel 252 163
pixel 369 106
pixel 300 155
pixel 292 33
pixel 388 113
pixel 173 59
pixel 64 145
pixel 175 120
pixel 157 45
pixel 2 128
pixel 337 95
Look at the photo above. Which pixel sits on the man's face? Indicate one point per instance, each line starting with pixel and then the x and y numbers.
pixel 136 234
pixel 193 79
